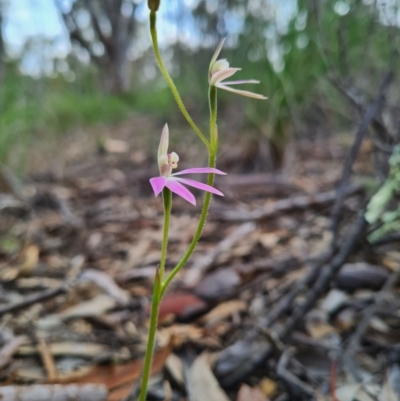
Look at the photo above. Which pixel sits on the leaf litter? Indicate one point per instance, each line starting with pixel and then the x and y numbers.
pixel 76 267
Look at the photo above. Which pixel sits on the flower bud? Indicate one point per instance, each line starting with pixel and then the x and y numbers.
pixel 153 4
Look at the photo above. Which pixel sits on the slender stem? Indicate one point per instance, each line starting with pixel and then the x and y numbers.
pixel 195 240
pixel 167 198
pixel 155 305
pixel 153 32
pixel 212 100
pixel 157 295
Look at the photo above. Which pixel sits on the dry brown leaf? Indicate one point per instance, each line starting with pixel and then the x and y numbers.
pixel 270 239
pixel 104 281
pixel 175 368
pixel 87 350
pixel 181 304
pixel 94 307
pixel 30 259
pixel 10 348
pixel 223 311
pixel 268 387
pixel 247 393
pixel 180 333
pixel 202 383
pixel 119 379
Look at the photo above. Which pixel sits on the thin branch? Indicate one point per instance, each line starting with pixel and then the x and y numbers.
pixel 370 113
pixel 326 276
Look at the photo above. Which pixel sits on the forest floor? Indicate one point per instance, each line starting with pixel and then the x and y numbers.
pixel 273 305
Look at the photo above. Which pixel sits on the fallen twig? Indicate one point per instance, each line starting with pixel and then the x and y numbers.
pixel 284 205
pixel 33 299
pixel 325 277
pixel 353 344
pixel 9 350
pixel 295 384
pixel 285 303
pixel 55 392
pixel 367 119
pixel 202 263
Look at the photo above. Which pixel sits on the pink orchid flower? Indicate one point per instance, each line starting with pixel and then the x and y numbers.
pixel 169 161
pixel 220 70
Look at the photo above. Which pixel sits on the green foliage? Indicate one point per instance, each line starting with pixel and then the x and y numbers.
pixel 40 109
pixel 380 207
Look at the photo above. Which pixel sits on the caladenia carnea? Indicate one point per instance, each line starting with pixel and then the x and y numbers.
pixel 168 182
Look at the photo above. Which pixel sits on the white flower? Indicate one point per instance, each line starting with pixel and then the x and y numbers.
pixel 219 71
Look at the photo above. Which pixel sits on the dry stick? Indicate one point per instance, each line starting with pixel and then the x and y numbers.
pixel 325 278
pixel 369 116
pixel 33 299
pixel 285 205
pixel 353 345
pixel 9 349
pixel 55 392
pixel 203 262
pixel 285 303
pixel 292 380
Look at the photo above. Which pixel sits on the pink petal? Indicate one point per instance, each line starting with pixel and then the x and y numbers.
pixel 245 81
pixel 200 185
pixel 222 74
pixel 240 92
pixel 200 170
pixel 158 184
pixel 180 190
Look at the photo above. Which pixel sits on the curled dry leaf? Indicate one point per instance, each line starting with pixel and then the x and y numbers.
pixel 104 281
pixel 247 393
pixel 94 307
pixel 201 382
pixel 9 349
pixel 223 311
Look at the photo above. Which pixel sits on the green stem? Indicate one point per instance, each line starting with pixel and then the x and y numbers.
pixel 212 100
pixel 155 305
pixel 153 32
pixel 157 295
pixel 167 198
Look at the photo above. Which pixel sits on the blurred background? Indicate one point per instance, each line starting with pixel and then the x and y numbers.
pixel 78 69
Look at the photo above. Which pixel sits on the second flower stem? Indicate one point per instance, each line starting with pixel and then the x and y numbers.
pixel 164 72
